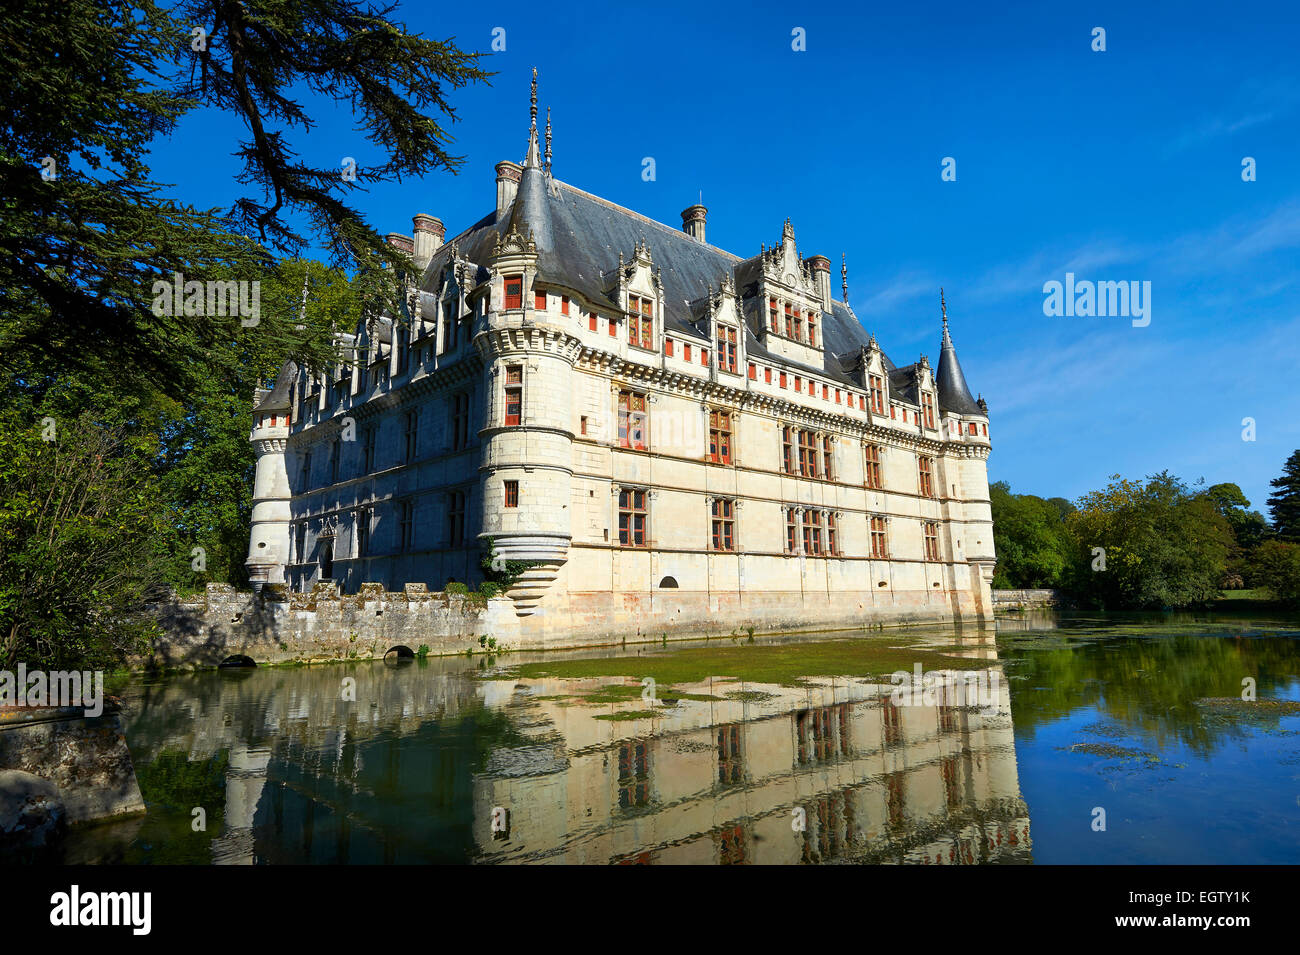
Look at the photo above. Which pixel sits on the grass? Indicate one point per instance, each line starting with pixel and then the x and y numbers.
pixel 783 664
pixel 627 715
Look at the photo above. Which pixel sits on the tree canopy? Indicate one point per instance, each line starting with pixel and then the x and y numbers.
pixel 125 421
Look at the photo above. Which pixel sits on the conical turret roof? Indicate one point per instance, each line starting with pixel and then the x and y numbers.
pixel 954 393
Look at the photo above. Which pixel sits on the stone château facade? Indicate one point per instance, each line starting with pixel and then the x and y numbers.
pixel 678 439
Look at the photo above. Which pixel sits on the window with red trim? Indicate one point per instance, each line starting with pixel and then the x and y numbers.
pixel 640 323
pixel 726 348
pixel 633 419
pixel 925 471
pixel 877 394
pixel 879 542
pixel 720 437
pixel 539 300
pixel 873 478
pixel 512 493
pixel 514 394
pixel 808 454
pixel 931 540
pixel 812 532
pixel 724 524
pixel 514 285
pixel 631 517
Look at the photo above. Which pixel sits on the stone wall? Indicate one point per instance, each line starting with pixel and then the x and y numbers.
pixel 71 767
pixel 277 626
pixel 1009 599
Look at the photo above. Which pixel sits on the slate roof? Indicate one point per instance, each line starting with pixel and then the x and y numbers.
pixel 277 399
pixel 954 394
pixel 579 237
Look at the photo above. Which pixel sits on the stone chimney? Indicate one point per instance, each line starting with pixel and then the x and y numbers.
pixel 403 242
pixel 821 270
pixel 693 222
pixel 508 175
pixel 428 236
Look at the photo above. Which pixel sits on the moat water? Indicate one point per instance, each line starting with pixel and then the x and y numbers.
pixel 1062 739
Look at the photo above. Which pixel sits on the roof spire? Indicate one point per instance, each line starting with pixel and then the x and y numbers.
pixel 532 101
pixel 943 306
pixel 548 139
pixel 844 275
pixel 533 158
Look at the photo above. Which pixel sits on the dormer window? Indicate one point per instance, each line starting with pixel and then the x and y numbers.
pixel 789 321
pixel 812 328
pixel 877 394
pixel 771 311
pixel 514 287
pixel 927 404
pixel 640 325
pixel 798 325
pixel 727 348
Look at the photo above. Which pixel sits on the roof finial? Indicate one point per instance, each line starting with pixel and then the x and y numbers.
pixel 943 307
pixel 844 275
pixel 534 158
pixel 548 139
pixel 532 102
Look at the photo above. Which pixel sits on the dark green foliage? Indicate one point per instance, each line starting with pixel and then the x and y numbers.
pixel 1163 545
pixel 1030 537
pixel 90 84
pixel 1275 565
pixel 1249 530
pixel 1284 503
pixel 152 409
pixel 79 525
pixel 260 55
pixel 503 573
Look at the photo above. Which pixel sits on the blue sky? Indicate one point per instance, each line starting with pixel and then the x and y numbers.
pixel 1116 165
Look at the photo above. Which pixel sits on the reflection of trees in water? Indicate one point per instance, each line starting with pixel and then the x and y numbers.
pixel 1150 684
pixel 385 778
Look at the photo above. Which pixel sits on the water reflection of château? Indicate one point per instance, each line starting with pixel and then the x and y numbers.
pixel 732 780
pixel 829 771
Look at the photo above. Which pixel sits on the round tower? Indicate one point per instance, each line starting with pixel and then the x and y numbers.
pixel 527 441
pixel 268 539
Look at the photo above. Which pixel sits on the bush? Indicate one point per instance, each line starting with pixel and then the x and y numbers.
pixel 489 589
pixel 456 587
